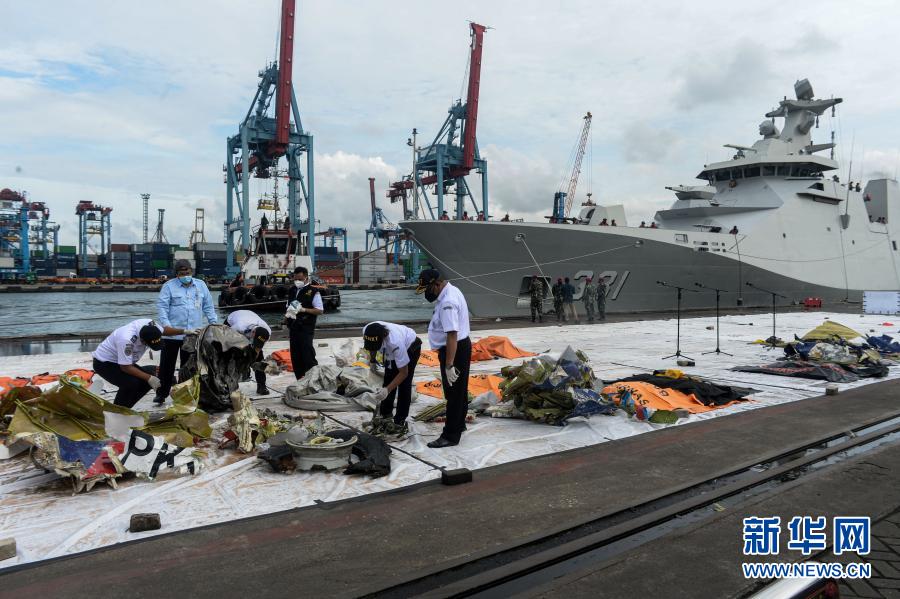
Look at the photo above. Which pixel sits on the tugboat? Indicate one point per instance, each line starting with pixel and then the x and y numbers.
pixel 267 274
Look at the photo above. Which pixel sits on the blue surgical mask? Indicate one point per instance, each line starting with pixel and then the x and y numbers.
pixel 186 280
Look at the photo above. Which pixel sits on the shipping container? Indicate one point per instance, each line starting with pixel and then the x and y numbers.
pixel 161 263
pixel 66 249
pixel 209 247
pixel 65 272
pixel 119 247
pixel 206 255
pixel 120 273
pixel 184 255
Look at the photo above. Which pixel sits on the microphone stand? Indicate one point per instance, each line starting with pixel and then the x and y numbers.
pixel 680 290
pixel 771 343
pixel 718 293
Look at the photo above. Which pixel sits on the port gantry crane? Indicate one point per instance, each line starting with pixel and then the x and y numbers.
pixel 562 200
pixel 93 221
pixel 262 140
pixel 454 152
pixel 24 228
pixel 382 233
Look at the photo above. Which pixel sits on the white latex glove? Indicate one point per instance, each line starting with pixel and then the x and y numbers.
pixel 154 382
pixel 381 394
pixel 191 331
pixel 452 374
pixel 290 314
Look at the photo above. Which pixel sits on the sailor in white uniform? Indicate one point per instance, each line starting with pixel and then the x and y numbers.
pixel 448 333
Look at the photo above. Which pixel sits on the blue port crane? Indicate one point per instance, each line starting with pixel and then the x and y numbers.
pixel 25 232
pixel 380 230
pixel 453 154
pixel 262 140
pixel 93 222
pixel 562 200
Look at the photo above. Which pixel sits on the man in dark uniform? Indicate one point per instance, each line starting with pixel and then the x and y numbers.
pixel 602 290
pixel 304 304
pixel 536 289
pixel 558 300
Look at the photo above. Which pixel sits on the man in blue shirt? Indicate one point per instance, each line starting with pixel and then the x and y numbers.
pixel 184 303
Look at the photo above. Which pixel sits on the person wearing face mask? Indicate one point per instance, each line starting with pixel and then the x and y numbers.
pixel 448 333
pixel 304 304
pixel 257 332
pixel 116 358
pixel 184 303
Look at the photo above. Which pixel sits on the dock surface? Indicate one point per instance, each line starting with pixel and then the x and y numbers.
pixel 368 544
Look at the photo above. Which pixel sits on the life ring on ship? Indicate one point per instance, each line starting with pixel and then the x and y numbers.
pixel 224 297
pixel 280 292
pixel 238 296
pixel 257 295
pixel 732 183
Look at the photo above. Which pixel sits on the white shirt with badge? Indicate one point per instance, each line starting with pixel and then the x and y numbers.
pixel 396 345
pixel 124 345
pixel 246 322
pixel 451 313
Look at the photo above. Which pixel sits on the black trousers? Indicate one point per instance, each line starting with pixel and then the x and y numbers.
pixel 259 375
pixel 131 388
pixel 171 350
pixel 303 354
pixel 403 393
pixel 457 396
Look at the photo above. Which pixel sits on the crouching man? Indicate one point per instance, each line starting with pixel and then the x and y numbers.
pixel 257 331
pixel 401 349
pixel 116 358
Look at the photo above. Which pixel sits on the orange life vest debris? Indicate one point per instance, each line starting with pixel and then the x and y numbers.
pixel 478 384
pixel 482 350
pixel 647 394
pixel 7 383
pixel 283 357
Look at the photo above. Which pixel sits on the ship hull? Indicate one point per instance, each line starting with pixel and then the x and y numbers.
pixel 493 269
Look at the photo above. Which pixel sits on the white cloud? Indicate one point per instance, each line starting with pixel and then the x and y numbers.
pixel 103 101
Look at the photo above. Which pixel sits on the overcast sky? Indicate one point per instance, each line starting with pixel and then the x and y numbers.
pixel 105 100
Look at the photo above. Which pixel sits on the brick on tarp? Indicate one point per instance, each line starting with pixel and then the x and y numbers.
pixel 143 522
pixel 7 548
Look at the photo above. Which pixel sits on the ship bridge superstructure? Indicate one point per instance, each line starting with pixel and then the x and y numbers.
pixel 784 164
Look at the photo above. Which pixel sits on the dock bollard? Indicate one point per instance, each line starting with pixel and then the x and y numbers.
pixel 457 476
pixel 831 389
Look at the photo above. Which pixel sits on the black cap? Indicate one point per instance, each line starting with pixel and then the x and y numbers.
pixel 373 336
pixel 151 336
pixel 426 278
pixel 260 336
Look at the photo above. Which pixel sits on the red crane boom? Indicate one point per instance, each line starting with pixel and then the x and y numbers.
pixel 472 95
pixel 283 88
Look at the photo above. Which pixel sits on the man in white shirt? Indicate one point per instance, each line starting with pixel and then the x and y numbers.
pixel 448 332
pixel 116 358
pixel 401 349
pixel 257 331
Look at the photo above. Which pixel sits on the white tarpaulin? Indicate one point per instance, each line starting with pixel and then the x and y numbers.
pixel 47 520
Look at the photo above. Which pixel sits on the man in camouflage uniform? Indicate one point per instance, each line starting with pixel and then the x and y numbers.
pixel 558 300
pixel 589 296
pixel 602 290
pixel 537 298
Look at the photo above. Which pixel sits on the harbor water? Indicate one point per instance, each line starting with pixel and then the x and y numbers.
pixel 25 318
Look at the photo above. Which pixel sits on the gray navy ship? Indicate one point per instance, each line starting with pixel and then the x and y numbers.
pixel 775 217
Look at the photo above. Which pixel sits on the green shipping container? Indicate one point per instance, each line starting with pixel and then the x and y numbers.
pixel 66 249
pixel 161 264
